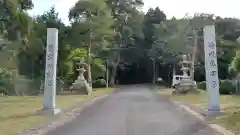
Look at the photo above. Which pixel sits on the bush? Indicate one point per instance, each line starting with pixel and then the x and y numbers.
pixel 6 84
pixel 202 85
pixel 99 83
pixel 226 87
pixel 35 86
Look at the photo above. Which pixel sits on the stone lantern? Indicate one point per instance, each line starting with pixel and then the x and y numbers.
pixel 81 84
pixel 186 83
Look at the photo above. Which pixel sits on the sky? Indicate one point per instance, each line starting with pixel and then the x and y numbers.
pixel 177 8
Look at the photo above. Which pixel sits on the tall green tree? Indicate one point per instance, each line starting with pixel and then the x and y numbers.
pixel 15 22
pixel 124 12
pixel 34 50
pixel 152 17
pixel 93 22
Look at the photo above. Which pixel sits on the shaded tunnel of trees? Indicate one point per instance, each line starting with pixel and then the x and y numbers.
pixel 142 72
pixel 134 74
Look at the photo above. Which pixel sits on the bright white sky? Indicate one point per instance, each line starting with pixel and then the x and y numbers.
pixel 177 8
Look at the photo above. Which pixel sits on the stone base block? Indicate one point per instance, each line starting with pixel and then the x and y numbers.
pixel 213 113
pixel 48 112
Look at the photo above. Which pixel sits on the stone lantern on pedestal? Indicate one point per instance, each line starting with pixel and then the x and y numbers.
pixel 186 83
pixel 81 84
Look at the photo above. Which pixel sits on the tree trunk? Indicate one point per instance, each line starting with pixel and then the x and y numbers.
pixel 193 55
pixel 154 72
pixel 114 68
pixel 107 74
pixel 113 75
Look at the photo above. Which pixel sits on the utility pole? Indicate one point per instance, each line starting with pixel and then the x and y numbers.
pixel 154 71
pixel 89 64
pixel 106 73
pixel 195 38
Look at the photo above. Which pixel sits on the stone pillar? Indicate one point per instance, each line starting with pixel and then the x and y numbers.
pixel 211 69
pixel 49 105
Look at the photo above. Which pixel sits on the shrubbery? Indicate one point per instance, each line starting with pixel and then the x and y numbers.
pixel 225 86
pixel 99 83
pixel 6 83
pixel 202 85
pixel 18 85
pixel 35 86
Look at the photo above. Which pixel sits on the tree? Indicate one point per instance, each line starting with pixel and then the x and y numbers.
pixel 14 18
pixel 226 35
pixel 235 65
pixel 94 20
pixel 152 17
pixel 123 11
pixel 31 55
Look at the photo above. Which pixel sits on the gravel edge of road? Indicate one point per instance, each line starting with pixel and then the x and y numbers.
pixel 58 120
pixel 217 128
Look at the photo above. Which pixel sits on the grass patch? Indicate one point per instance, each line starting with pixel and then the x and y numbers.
pixel 230 104
pixel 20 111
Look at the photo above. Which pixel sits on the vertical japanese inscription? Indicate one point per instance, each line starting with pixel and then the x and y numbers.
pixel 212 62
pixel 50 56
pixel 49 65
pixel 212 54
pixel 214 84
pixel 213 73
pixel 49 82
pixel 211 45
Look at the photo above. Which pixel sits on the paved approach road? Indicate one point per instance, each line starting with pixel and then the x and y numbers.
pixel 134 110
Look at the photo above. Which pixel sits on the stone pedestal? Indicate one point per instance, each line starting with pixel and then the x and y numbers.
pixel 213 113
pixel 48 112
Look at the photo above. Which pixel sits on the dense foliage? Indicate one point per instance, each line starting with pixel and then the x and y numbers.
pixel 225 87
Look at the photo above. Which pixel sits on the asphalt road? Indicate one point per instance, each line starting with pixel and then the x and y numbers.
pixel 134 110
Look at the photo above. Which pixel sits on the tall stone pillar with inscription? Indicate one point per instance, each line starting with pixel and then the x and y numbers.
pixel 211 69
pixel 50 74
pixel 205 22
